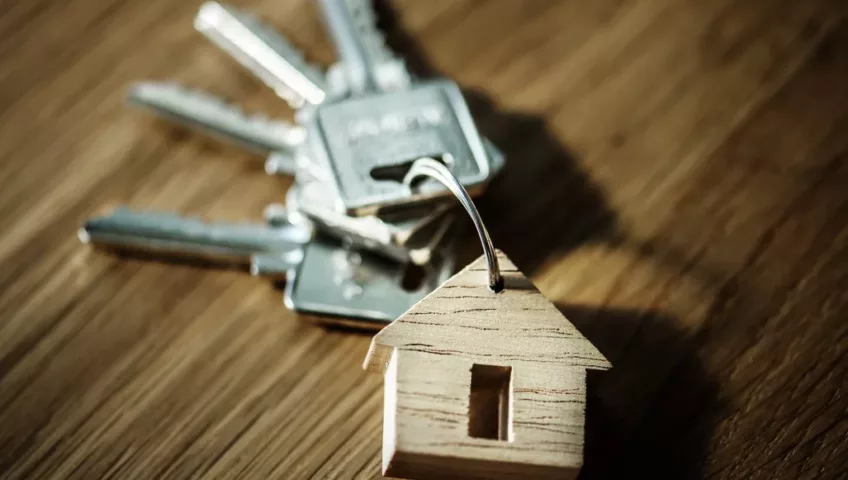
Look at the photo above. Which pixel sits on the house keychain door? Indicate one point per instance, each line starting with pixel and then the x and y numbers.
pixel 484 377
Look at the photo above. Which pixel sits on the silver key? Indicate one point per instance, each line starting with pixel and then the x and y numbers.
pixel 336 281
pixel 210 115
pixel 412 236
pixel 367 62
pixel 262 51
pixel 268 250
pixel 221 22
pixel 368 288
pixel 368 142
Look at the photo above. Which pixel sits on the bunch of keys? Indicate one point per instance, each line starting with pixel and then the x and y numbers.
pixel 351 226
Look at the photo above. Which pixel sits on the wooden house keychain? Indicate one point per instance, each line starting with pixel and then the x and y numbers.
pixel 484 377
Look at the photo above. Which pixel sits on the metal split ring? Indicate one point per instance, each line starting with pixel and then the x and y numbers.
pixel 428 167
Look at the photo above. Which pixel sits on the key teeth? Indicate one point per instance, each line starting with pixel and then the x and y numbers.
pixel 83 236
pixel 215 20
pixel 366 22
pixel 275 214
pixel 149 92
pixel 254 267
pixel 156 90
pixel 273 37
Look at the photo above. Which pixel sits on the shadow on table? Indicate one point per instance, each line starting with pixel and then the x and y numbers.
pixel 652 414
pixel 543 201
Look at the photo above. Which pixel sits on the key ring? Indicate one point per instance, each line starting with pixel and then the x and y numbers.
pixel 429 167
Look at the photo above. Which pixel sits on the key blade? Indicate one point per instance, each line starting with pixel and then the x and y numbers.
pixel 191 238
pixel 210 115
pixel 368 62
pixel 263 52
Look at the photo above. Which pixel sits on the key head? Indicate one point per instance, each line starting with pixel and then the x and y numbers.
pixel 368 142
pixel 358 289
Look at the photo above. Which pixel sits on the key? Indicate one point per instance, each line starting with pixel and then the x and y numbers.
pixel 405 236
pixel 380 115
pixel 263 52
pixel 221 22
pixel 412 236
pixel 369 142
pixel 337 83
pixel 210 115
pixel 340 282
pixel 276 250
pixel 268 250
pixel 365 59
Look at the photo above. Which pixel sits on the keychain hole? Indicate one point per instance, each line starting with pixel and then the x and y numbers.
pixel 397 172
pixel 490 402
pixel 498 287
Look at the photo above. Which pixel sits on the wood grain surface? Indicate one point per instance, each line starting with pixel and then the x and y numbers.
pixel 676 182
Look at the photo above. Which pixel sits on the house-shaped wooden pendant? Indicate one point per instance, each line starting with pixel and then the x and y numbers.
pixel 483 385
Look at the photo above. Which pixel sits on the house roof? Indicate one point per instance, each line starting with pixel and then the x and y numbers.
pixel 465 318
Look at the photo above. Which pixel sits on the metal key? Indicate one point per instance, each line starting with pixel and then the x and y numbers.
pixel 358 130
pixel 369 142
pixel 262 51
pixel 413 236
pixel 212 116
pixel 367 62
pixel 369 139
pixel 337 281
pixel 354 21
pixel 269 250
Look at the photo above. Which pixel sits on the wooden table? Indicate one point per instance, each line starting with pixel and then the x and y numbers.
pixel 677 182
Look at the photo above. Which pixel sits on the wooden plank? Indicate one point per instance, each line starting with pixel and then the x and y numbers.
pixel 675 183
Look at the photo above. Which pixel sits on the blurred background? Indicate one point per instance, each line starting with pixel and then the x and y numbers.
pixel 675 181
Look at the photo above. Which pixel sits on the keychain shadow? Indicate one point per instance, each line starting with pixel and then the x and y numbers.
pixel 542 201
pixel 646 416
